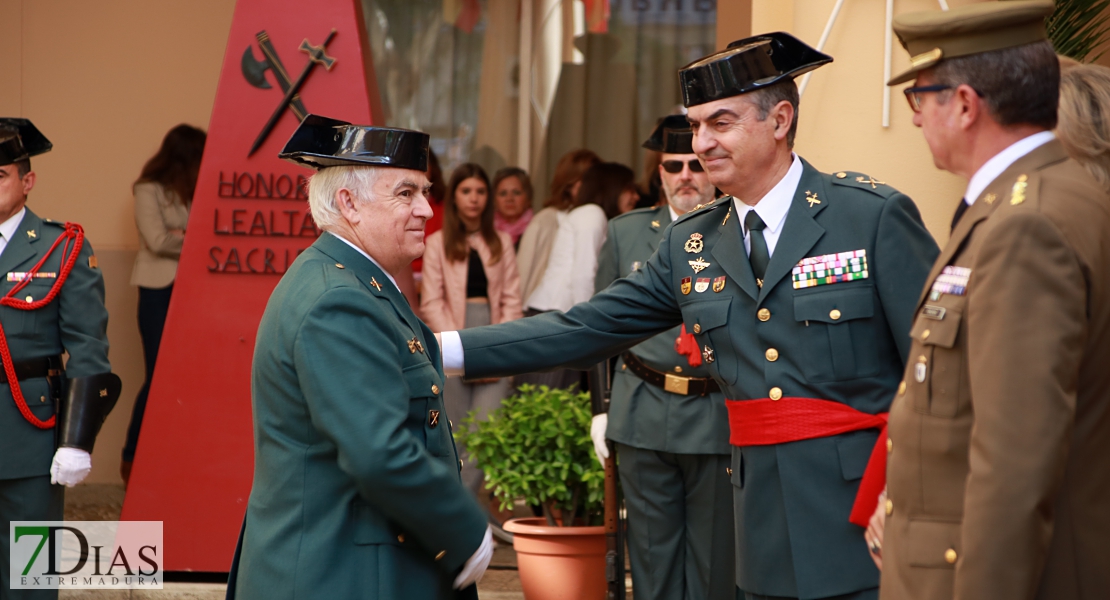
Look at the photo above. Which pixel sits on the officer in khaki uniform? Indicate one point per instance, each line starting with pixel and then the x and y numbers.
pixel 999 464
pixel 356 489
pixel 667 414
pixel 799 291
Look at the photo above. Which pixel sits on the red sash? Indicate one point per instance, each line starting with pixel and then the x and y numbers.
pixel 765 422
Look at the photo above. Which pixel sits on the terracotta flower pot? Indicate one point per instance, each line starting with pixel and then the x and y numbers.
pixel 559 563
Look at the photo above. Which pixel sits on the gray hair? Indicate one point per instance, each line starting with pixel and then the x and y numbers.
pixel 1019 85
pixel 326 183
pixel 769 97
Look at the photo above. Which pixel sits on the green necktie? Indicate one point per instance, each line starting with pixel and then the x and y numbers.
pixel 759 256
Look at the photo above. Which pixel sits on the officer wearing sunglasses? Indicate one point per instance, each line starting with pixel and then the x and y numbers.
pixel 666 414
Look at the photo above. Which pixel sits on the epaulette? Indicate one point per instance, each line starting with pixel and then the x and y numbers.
pixel 863 182
pixel 58 224
pixel 636 212
pixel 708 206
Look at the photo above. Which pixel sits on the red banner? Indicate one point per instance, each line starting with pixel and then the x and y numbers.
pixel 249 221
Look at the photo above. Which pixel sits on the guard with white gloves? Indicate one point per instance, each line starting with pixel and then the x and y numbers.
pixel 51 302
pixel 666 416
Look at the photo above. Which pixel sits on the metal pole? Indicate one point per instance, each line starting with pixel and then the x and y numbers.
pixel 821 44
pixel 889 41
pixel 524 95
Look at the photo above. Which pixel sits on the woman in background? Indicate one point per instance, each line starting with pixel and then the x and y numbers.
pixel 612 186
pixel 512 195
pixel 163 196
pixel 470 280
pixel 1083 125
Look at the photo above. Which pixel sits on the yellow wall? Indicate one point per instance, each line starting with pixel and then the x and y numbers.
pixel 104 81
pixel 840 126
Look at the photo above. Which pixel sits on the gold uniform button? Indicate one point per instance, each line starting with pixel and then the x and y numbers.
pixel 772 354
pixel 697 327
pixel 841 175
pixel 764 315
pixel 30 299
pixel 889 445
pixel 401 538
pixel 889 507
pixel 925 334
pixel 624 366
pixel 902 388
pixel 441 554
pixel 435 389
pixel 834 314
pixel 677 369
pixel 42 398
pixel 950 556
pixel 460 463
pixel 339 266
pixel 776 393
pixel 729 471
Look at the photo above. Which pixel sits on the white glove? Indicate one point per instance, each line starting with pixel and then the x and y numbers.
pixel 597 434
pixel 474 568
pixel 71 466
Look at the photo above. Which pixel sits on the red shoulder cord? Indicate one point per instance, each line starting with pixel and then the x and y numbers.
pixel 74 232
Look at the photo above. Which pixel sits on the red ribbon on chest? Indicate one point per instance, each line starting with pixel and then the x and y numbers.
pixel 765 422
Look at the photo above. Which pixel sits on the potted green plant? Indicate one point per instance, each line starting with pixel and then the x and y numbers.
pixel 536 447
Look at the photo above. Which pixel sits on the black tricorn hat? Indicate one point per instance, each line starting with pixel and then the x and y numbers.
pixel 746 66
pixel 20 140
pixel 320 142
pixel 672 136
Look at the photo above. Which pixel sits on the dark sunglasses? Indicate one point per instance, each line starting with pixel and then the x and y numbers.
pixel 675 166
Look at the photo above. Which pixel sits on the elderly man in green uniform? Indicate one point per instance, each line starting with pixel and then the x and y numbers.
pixel 356 491
pixel 1000 434
pixel 799 290
pixel 49 416
pixel 667 414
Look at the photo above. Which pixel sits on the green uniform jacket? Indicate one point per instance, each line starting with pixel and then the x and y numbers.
pixel 792 500
pixel 640 414
pixel 356 488
pixel 75 322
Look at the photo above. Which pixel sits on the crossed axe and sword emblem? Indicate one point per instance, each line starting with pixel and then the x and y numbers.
pixel 254 71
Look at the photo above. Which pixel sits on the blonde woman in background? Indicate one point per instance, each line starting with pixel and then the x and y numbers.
pixel 1084 117
pixel 163 196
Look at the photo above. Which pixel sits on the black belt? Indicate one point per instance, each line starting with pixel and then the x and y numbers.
pixel 34 368
pixel 675 384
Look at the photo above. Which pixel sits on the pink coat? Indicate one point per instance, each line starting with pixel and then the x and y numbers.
pixel 443 289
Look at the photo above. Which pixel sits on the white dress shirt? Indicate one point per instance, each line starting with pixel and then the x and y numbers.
pixel 9 227
pixel 371 259
pixel 1002 161
pixel 772 208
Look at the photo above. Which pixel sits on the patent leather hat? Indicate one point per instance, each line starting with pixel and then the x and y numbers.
pixel 671 136
pixel 320 142
pixel 746 66
pixel 20 140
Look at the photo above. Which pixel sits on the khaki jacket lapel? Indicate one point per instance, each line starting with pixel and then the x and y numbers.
pixel 994 195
